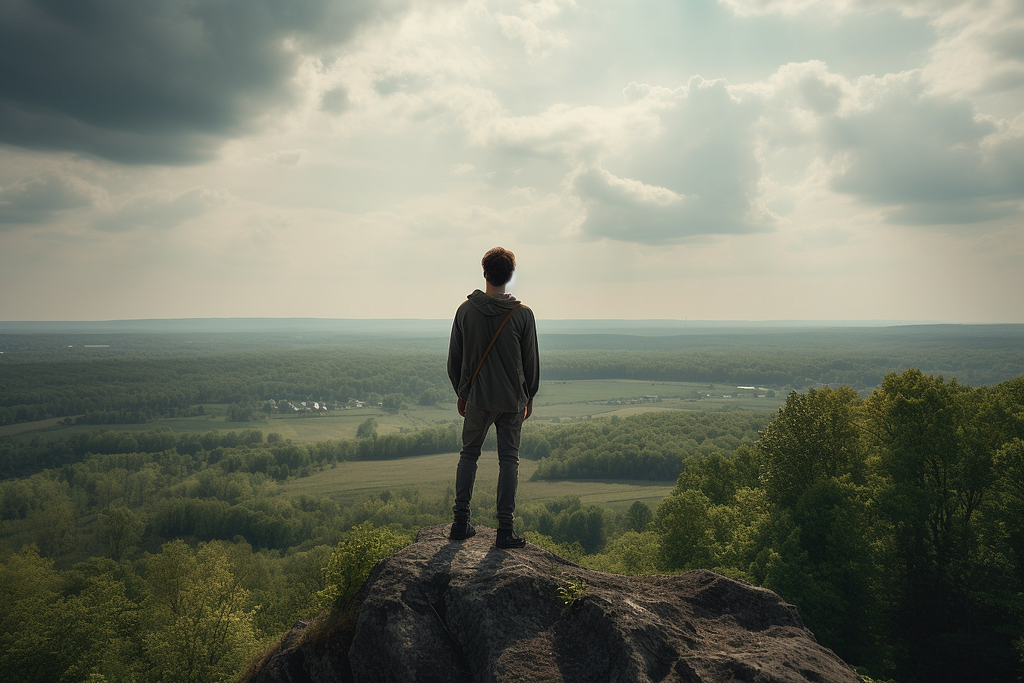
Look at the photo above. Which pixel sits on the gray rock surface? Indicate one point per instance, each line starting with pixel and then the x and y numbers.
pixel 449 611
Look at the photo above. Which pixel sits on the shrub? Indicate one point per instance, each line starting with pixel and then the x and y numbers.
pixel 352 560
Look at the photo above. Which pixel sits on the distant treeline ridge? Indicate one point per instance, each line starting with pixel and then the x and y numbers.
pixel 137 389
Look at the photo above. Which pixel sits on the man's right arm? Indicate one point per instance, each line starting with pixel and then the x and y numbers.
pixel 455 355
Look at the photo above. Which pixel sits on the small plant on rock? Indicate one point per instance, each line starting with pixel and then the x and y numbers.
pixel 572 591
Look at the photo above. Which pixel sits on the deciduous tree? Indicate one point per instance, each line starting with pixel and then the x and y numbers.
pixel 119 529
pixel 199 630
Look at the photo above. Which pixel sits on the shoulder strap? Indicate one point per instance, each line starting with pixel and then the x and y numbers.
pixel 494 339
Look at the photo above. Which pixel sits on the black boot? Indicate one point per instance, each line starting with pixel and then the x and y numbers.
pixel 461 531
pixel 507 538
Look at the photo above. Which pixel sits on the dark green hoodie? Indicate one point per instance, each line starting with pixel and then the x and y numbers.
pixel 510 375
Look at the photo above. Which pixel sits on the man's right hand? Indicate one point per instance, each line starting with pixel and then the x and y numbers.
pixel 461 406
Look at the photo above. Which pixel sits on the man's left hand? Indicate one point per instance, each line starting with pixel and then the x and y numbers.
pixel 528 412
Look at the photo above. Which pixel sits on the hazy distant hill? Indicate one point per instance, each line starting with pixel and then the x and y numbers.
pixel 858 353
pixel 415 326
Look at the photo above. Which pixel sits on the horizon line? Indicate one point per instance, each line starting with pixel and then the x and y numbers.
pixel 674 321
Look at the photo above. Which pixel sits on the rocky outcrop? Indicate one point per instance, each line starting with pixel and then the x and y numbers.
pixel 466 611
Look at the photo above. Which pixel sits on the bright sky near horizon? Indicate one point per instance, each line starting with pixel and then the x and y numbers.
pixel 729 160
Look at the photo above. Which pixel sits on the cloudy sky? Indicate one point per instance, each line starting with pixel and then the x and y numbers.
pixel 687 159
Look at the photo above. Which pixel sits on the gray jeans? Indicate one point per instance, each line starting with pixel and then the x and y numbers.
pixel 509 427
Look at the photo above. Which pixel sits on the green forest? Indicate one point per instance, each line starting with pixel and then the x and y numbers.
pixel 131 378
pixel 648 446
pixel 893 518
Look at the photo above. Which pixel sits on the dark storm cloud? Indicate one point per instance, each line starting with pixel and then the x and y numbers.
pixel 156 82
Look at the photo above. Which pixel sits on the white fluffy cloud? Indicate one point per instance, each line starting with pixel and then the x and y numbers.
pixel 927 157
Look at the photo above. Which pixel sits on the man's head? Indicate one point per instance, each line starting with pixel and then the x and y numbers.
pixel 498 266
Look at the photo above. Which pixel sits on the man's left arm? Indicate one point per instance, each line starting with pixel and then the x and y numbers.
pixel 531 361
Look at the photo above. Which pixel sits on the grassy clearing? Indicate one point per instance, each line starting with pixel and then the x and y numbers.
pixel 433 475
pixel 583 399
pixel 25 427
pixel 177 424
pixel 552 393
pixel 298 428
pixel 343 424
pixel 556 402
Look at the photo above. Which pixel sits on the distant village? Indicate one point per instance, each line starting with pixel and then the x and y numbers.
pixel 756 392
pixel 321 406
pixel 647 398
pixel 289 407
pixel 740 392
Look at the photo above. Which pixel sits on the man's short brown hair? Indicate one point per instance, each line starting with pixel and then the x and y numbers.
pixel 498 266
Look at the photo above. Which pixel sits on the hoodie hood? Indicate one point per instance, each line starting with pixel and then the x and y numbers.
pixel 492 305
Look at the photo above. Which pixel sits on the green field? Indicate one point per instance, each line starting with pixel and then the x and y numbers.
pixel 603 398
pixel 432 475
pixel 298 428
pixel 31 427
pixel 343 424
pixel 556 402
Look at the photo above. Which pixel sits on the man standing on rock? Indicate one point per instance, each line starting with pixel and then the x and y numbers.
pixel 493 366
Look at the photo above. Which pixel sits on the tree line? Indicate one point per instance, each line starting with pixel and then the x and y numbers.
pixel 797 368
pixel 140 389
pixel 645 446
pixel 137 387
pixel 235 451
